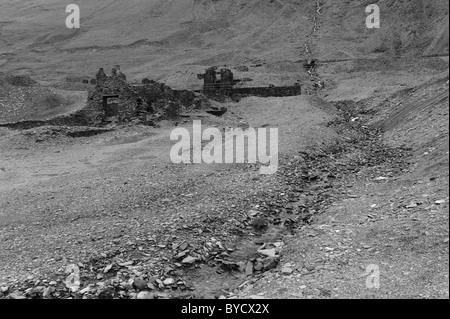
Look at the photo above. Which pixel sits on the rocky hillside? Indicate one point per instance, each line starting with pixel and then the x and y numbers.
pixel 23 98
pixel 172 40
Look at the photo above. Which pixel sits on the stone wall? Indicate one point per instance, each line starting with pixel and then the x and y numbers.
pixel 275 91
pixel 224 87
pixel 271 91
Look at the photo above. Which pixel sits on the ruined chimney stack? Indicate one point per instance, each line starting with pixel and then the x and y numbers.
pixel 101 77
pixel 116 72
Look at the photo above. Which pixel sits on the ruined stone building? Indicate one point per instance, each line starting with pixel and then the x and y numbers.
pixel 114 99
pixel 225 86
pixel 211 83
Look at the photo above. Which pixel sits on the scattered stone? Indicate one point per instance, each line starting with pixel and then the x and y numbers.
pixel 259 266
pixel 249 269
pixel 252 213
pixel 287 270
pixel 268 252
pixel 107 268
pixel 16 296
pixel 298 295
pixel 145 295
pixel 271 263
pixel 85 290
pixel 140 284
pixel 48 292
pixel 183 246
pixel 310 267
pixel 256 297
pixel 169 282
pixel 258 223
pixel 189 260
pixel 128 263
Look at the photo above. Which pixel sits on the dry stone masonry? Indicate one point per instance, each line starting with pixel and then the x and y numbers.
pixel 224 87
pixel 116 100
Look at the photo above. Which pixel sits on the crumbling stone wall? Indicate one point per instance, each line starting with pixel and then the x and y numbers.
pixel 211 82
pixel 273 91
pixel 219 89
pixel 149 102
pixel 126 100
pixel 226 79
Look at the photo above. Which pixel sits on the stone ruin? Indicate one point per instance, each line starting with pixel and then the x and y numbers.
pixel 212 86
pixel 211 83
pixel 116 72
pixel 116 100
pixel 101 77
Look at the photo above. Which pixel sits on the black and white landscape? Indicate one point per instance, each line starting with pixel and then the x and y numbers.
pixel 97 200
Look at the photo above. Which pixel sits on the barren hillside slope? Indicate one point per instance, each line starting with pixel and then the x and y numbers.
pixel 162 38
